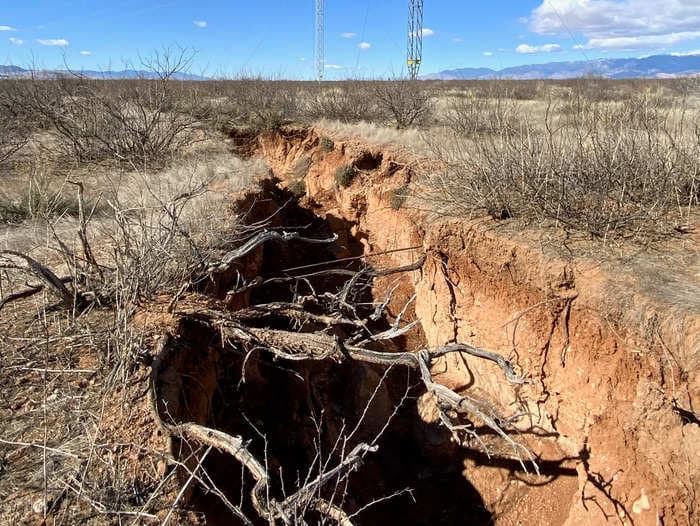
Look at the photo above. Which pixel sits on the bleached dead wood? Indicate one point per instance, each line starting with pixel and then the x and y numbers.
pixel 270 509
pixel 292 346
pixel 334 323
pixel 259 239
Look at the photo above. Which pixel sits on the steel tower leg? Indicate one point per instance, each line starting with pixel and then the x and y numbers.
pixel 320 61
pixel 415 37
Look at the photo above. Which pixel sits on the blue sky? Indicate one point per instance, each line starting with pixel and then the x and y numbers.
pixel 364 38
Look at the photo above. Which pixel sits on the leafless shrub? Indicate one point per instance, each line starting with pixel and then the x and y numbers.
pixel 68 457
pixel 160 231
pixel 585 175
pixel 645 109
pixel 14 130
pixel 472 115
pixel 345 102
pixel 12 138
pixel 137 122
pixel 404 102
pixel 261 104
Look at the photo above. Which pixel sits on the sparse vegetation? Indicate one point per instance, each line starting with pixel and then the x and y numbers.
pixel 406 103
pixel 473 115
pixel 138 123
pixel 297 187
pixel 40 198
pixel 605 169
pixel 344 175
pixel 327 144
pixel 399 196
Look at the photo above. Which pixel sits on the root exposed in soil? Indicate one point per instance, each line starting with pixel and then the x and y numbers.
pixel 301 403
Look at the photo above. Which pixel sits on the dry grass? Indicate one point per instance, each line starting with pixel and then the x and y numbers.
pixel 377 134
pixel 72 379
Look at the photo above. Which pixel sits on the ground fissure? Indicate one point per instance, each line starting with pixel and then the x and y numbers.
pixel 584 402
pixel 240 372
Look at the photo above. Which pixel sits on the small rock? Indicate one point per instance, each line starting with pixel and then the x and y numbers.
pixel 40 507
pixel 641 504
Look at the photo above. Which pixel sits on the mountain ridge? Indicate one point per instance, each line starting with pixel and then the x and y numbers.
pixel 653 66
pixel 9 71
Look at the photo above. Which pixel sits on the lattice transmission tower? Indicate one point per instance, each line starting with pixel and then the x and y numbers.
pixel 320 61
pixel 415 37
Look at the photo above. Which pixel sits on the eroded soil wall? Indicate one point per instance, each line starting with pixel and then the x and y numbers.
pixel 302 417
pixel 613 376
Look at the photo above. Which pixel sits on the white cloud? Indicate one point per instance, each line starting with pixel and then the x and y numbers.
pixel 333 66
pixel 425 32
pixel 16 41
pixel 457 40
pixel 687 53
pixel 85 52
pixel 640 42
pixel 348 35
pixel 53 42
pixel 364 45
pixel 200 23
pixel 527 49
pixel 618 24
pixel 7 28
pixel 488 53
pixel 303 59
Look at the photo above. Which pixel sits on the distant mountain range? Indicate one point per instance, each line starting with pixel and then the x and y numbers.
pixel 657 66
pixel 17 72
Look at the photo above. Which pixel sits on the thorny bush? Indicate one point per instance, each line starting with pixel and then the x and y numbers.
pixel 136 122
pixel 637 179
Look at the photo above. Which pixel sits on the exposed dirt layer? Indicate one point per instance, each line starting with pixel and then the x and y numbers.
pixel 301 415
pixel 614 393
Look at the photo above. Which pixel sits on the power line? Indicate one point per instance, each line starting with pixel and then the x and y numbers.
pixel 362 38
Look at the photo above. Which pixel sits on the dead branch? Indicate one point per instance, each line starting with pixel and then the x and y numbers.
pixel 235 447
pixel 406 268
pixel 68 296
pixel 348 464
pixel 82 231
pixel 261 238
pixel 336 323
pixel 318 346
pixel 273 510
pixel 333 511
pixel 448 400
pixel 287 345
pixel 26 293
pixel 293 311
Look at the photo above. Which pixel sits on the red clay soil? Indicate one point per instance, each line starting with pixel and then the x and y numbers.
pixel 613 366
